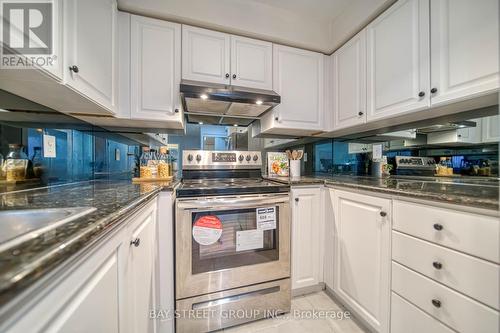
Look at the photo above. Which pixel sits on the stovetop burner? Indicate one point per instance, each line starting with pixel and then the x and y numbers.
pixel 208 173
pixel 229 186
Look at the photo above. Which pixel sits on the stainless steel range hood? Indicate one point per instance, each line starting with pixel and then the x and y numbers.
pixel 210 103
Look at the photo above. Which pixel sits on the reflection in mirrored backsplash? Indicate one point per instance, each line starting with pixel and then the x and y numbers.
pixel 55 148
pixel 457 148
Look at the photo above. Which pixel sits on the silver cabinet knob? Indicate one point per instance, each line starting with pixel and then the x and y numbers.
pixel 74 69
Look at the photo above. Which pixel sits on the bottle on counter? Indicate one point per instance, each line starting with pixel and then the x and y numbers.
pixel 16 163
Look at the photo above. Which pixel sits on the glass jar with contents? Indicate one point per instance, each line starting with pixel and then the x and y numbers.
pixel 153 163
pixel 16 163
pixel 145 170
pixel 164 170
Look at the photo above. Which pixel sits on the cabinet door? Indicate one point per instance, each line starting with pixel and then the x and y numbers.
pixel 205 55
pixel 398 60
pixel 95 308
pixel 306 233
pixel 251 63
pixel 91 43
pixel 349 83
pixel 464 49
pixel 155 64
pixel 298 78
pixel 362 255
pixel 490 129
pixel 140 270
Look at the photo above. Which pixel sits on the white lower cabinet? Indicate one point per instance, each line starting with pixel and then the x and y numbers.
pixel 407 318
pixel 140 270
pixel 461 313
pixel 307 259
pixel 362 256
pixel 111 289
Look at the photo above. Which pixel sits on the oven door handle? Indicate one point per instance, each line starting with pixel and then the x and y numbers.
pixel 230 203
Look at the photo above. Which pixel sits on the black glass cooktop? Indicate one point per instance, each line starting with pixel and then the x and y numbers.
pixel 228 186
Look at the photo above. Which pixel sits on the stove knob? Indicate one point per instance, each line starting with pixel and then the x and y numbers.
pixel 198 157
pixel 255 157
pixel 190 158
pixel 248 158
pixel 240 158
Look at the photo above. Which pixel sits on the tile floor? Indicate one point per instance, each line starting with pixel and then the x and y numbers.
pixel 288 323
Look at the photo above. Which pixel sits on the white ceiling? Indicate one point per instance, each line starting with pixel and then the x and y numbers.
pixel 321 9
pixel 319 25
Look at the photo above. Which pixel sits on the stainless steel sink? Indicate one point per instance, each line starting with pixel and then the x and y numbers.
pixel 17 226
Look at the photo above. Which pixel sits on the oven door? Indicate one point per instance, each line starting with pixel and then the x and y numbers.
pixel 245 253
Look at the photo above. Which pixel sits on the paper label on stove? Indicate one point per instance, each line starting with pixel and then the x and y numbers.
pixel 266 218
pixel 249 240
pixel 207 230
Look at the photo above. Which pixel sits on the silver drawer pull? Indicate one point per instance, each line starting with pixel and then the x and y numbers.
pixel 234 298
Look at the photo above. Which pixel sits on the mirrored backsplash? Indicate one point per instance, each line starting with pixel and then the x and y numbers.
pixel 465 148
pixel 58 148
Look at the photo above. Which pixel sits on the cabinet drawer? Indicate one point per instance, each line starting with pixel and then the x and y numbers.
pixel 470 233
pixel 472 276
pixel 407 318
pixel 456 310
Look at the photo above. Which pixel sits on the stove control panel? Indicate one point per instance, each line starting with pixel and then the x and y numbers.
pixel 209 159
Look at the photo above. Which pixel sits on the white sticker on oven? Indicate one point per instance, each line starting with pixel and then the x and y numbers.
pixel 266 218
pixel 249 240
pixel 207 230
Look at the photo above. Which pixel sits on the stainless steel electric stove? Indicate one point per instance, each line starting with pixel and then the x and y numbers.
pixel 232 242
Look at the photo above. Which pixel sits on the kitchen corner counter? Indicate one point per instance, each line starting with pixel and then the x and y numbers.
pixel 481 193
pixel 23 265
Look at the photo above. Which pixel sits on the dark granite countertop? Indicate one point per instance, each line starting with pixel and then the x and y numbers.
pixel 467 191
pixel 23 265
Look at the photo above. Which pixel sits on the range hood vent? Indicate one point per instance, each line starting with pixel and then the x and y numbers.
pixel 446 127
pixel 210 103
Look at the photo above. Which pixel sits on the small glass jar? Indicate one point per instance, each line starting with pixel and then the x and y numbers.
pixel 16 163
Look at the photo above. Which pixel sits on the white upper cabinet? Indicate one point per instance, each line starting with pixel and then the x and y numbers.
pixel 298 77
pixel 205 55
pixel 490 127
pixel 251 63
pixel 155 69
pixel 216 57
pixel 398 60
pixel 362 255
pixel 349 83
pixel 90 43
pixel 464 49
